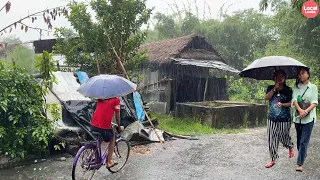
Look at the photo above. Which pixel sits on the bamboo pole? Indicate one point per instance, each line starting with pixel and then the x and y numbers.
pixel 125 73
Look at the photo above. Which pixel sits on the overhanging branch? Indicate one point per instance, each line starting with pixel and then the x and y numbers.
pixel 6 6
pixel 30 16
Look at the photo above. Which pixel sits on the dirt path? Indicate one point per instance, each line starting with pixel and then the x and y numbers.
pixel 233 156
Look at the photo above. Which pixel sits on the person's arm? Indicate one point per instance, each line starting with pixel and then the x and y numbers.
pixel 294 97
pixel 287 102
pixel 314 99
pixel 296 105
pixel 118 118
pixel 117 111
pixel 269 93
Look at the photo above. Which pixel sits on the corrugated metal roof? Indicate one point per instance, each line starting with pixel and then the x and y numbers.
pixel 206 63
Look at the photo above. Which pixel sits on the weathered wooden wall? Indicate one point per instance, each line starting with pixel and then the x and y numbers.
pixel 187 84
pixel 156 92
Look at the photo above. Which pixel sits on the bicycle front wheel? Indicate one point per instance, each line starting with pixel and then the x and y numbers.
pixel 120 155
pixel 82 165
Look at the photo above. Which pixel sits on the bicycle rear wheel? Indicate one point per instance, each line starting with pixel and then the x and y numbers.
pixel 85 158
pixel 120 155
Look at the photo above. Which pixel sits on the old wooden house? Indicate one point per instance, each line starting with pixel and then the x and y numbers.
pixel 180 70
pixel 177 70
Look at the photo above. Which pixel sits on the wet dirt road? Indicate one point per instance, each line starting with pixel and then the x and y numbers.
pixel 234 156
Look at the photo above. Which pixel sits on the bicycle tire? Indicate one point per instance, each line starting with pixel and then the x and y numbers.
pixel 116 151
pixel 77 157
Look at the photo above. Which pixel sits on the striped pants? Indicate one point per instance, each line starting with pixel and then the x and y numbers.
pixel 278 132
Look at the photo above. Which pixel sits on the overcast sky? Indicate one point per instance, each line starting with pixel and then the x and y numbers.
pixel 21 8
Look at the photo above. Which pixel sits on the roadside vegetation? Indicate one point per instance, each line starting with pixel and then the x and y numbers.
pixel 190 126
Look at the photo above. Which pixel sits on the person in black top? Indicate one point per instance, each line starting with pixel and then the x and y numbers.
pixel 279 117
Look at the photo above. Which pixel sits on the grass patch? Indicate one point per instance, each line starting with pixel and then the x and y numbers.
pixel 190 126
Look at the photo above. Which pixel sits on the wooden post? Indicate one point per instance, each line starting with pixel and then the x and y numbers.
pixel 205 89
pixel 126 75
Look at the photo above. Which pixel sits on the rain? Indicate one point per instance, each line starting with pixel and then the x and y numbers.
pixel 192 78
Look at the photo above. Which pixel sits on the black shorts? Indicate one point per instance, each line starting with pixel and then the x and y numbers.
pixel 107 134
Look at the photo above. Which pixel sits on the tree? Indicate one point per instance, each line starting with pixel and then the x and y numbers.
pixel 303 33
pixel 296 4
pixel 18 54
pixel 166 26
pixel 117 29
pixel 24 127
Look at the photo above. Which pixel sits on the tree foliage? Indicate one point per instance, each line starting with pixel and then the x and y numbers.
pixel 247 35
pixel 18 54
pixel 23 127
pixel 115 28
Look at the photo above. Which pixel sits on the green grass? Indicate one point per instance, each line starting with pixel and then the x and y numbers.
pixel 190 126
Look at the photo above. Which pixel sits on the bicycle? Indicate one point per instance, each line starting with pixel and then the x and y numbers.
pixel 95 160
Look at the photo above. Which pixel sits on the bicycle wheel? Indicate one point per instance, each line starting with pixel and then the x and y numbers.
pixel 85 158
pixel 120 155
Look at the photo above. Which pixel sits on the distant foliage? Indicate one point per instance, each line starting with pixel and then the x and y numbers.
pixel 17 53
pixel 247 35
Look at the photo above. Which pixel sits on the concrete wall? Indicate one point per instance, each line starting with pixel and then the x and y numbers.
pixel 224 114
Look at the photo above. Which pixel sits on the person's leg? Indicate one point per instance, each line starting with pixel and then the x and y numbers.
pixel 304 142
pixel 298 132
pixel 111 145
pixel 285 137
pixel 273 141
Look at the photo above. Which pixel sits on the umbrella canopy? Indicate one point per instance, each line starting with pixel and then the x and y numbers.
pixel 107 86
pixel 263 69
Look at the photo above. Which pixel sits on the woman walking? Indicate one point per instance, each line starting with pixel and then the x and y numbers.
pixel 279 117
pixel 305 99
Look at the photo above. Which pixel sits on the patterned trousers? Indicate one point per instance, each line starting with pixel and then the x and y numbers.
pixel 278 132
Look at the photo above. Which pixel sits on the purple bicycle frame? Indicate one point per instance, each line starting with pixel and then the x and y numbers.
pixel 94 146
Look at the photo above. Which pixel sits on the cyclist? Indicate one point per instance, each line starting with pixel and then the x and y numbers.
pixel 101 123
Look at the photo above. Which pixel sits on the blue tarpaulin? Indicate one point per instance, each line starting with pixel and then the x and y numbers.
pixel 82 76
pixel 139 110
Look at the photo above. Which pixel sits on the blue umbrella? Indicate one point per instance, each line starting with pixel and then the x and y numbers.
pixel 107 86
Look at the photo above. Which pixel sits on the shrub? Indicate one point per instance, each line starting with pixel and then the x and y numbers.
pixel 24 129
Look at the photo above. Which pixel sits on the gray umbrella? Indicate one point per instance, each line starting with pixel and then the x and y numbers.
pixel 263 69
pixel 107 86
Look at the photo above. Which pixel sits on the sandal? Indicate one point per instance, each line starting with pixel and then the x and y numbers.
pixel 114 164
pixel 270 164
pixel 299 169
pixel 291 152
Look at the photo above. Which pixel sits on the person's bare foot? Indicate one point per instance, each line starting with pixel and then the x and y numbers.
pixel 111 164
pixel 291 152
pixel 270 164
pixel 299 168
